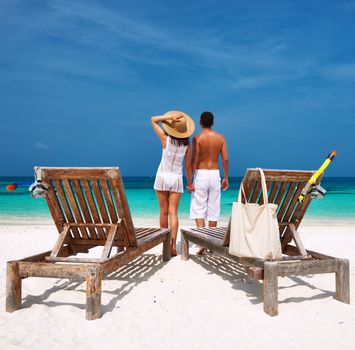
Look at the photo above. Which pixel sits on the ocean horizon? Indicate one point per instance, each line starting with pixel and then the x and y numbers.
pixel 18 207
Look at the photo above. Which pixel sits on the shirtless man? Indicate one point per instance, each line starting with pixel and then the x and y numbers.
pixel 206 189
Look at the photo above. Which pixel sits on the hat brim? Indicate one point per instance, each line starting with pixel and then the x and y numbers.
pixel 190 126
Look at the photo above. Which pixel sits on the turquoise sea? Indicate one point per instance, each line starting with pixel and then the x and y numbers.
pixel 19 207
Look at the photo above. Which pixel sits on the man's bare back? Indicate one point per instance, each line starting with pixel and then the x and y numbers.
pixel 209 145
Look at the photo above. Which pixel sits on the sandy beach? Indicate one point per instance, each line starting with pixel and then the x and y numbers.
pixel 205 303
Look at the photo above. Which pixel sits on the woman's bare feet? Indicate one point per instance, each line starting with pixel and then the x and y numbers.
pixel 173 249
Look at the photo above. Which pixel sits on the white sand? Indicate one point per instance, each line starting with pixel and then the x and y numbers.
pixel 204 303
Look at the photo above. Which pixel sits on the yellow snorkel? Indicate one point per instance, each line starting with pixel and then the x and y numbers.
pixel 311 182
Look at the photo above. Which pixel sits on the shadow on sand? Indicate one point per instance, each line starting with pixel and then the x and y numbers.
pixel 235 274
pixel 132 274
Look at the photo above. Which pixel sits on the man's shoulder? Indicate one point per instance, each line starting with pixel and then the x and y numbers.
pixel 206 136
pixel 198 136
pixel 219 135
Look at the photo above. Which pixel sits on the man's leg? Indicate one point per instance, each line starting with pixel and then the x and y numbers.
pixel 199 199
pixel 214 201
pixel 200 223
pixel 212 223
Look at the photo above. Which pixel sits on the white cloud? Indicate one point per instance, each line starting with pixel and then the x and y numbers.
pixel 41 145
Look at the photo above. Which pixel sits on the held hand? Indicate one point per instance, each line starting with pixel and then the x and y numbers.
pixel 225 184
pixel 190 187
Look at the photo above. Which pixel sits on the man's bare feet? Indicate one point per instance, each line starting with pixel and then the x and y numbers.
pixel 201 251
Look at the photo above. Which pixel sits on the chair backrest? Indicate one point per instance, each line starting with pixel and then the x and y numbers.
pixel 88 196
pixel 284 188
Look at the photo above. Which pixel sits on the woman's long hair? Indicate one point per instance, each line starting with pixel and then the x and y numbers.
pixel 179 142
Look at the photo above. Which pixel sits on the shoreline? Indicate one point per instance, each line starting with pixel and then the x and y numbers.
pixel 154 220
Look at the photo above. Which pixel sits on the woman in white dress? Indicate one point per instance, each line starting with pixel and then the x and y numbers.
pixel 174 135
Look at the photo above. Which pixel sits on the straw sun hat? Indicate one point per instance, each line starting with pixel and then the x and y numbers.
pixel 181 128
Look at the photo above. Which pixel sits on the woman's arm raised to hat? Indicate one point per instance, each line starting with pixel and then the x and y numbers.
pixel 158 129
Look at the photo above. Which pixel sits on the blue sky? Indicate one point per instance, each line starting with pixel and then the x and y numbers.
pixel 80 79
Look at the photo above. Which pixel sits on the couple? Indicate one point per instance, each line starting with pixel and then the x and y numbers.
pixel 201 163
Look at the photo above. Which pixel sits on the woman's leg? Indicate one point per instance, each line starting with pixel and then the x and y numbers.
pixel 163 199
pixel 174 200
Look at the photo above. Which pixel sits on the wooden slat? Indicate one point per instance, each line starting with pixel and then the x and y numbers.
pixel 256 192
pixel 100 201
pixel 74 206
pixel 297 240
pixel 286 201
pixel 110 238
pixel 92 205
pixel 202 235
pixel 84 207
pixel 210 232
pixel 294 202
pixel 92 225
pixel 66 208
pixel 79 173
pixel 54 207
pixel 73 260
pixel 216 246
pixel 274 191
pixel 281 175
pixel 307 267
pixel 147 232
pixel 123 208
pixel 60 241
pixel 45 269
pixel 291 209
pixel 108 199
pixel 261 198
pixel 118 242
pixel 296 219
pixel 145 244
pixel 139 229
pixel 281 194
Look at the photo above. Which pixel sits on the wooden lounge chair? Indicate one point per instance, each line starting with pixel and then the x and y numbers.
pixel 90 209
pixel 284 188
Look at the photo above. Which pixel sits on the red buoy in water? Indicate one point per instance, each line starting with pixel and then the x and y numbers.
pixel 11 187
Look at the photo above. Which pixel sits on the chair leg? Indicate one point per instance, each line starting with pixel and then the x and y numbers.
pixel 13 287
pixel 184 247
pixel 93 292
pixel 167 248
pixel 342 281
pixel 270 288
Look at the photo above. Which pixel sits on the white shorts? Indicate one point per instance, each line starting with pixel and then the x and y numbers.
pixel 206 199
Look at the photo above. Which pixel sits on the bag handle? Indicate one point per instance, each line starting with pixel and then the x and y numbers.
pixel 241 191
pixel 263 185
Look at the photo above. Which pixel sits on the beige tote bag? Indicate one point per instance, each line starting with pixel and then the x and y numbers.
pixel 254 228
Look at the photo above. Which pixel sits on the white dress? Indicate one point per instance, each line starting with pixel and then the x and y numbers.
pixel 169 174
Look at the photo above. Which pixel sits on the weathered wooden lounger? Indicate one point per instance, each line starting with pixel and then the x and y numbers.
pixel 90 209
pixel 284 187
